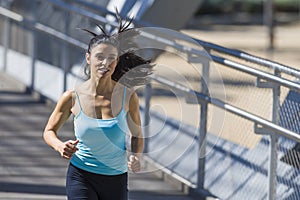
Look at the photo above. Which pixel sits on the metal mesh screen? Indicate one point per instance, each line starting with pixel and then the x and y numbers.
pixel 237 161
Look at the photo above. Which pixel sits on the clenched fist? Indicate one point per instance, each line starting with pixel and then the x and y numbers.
pixel 68 148
pixel 134 163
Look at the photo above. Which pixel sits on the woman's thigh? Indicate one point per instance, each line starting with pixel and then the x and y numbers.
pixel 78 187
pixel 111 187
pixel 83 185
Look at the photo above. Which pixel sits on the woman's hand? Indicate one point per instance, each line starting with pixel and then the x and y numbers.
pixel 68 148
pixel 134 163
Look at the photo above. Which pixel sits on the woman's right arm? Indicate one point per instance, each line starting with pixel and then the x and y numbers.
pixel 56 120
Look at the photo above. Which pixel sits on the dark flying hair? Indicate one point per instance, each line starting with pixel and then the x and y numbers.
pixel 127 60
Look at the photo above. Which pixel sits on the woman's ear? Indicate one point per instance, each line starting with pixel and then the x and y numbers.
pixel 87 58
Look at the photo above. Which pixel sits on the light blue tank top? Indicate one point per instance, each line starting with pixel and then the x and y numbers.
pixel 102 146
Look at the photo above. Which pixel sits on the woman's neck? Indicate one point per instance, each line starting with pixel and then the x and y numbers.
pixel 100 86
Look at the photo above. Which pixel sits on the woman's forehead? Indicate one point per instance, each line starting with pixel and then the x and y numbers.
pixel 105 48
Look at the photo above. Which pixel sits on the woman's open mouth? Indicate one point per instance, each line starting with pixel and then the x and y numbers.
pixel 102 70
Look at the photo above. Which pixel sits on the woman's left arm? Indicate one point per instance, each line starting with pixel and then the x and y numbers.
pixel 136 135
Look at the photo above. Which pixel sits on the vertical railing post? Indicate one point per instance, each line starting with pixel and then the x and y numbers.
pixel 148 90
pixel 269 21
pixel 33 48
pixel 273 149
pixel 65 63
pixel 298 9
pixel 203 127
pixel 6 35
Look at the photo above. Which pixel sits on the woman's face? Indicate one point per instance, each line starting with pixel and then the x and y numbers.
pixel 103 60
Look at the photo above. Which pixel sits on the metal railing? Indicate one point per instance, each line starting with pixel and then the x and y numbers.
pixel 261 125
pixel 276 81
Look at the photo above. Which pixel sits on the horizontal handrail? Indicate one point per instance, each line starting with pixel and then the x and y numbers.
pixel 258 73
pixel 227 62
pixel 30 24
pixel 240 112
pixel 10 14
pixel 250 58
pixel 42 28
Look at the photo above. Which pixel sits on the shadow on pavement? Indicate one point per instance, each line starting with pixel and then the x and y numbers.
pixel 32 188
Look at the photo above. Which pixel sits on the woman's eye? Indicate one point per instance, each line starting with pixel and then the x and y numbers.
pixel 109 58
pixel 100 57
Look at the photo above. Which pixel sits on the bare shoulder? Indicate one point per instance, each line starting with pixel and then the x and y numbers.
pixel 132 99
pixel 132 96
pixel 66 98
pixel 68 95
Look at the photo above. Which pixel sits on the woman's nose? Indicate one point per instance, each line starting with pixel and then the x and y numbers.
pixel 104 61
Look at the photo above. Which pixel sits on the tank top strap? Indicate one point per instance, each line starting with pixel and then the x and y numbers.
pixel 124 98
pixel 77 98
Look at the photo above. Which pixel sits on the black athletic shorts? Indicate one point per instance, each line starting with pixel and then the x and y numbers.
pixel 84 185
